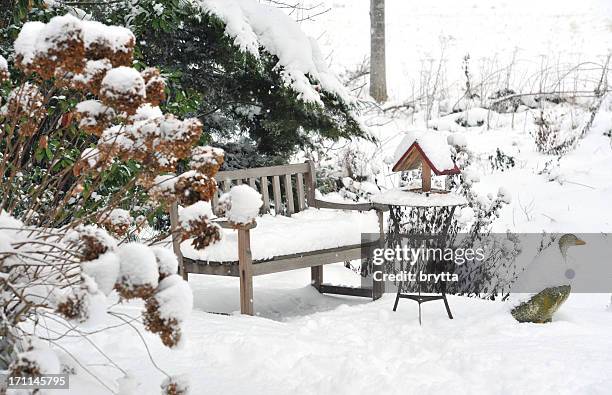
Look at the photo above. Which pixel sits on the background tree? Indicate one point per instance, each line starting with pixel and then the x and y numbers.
pixel 378 73
pixel 243 93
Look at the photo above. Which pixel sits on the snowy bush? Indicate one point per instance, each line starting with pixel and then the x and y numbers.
pixel 55 259
pixel 557 129
pixel 472 227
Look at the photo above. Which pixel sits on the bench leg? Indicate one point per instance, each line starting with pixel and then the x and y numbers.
pixel 316 277
pixel 246 272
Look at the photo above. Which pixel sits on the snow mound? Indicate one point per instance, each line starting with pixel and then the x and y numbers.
pixel 104 271
pixel 254 25
pixel 123 80
pixel 138 265
pixel 175 298
pixel 166 260
pixel 244 204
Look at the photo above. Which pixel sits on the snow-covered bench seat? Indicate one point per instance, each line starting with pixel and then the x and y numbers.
pixel 295 230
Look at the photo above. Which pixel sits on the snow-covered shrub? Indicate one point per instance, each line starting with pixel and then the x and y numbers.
pixel 473 226
pixel 357 191
pixel 505 101
pixel 55 259
pixel 557 128
pixel 501 161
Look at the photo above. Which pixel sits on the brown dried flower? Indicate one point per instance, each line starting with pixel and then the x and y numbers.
pixel 192 186
pixel 25 103
pixel 206 159
pixel 154 85
pixel 168 330
pixel 93 116
pixel 123 89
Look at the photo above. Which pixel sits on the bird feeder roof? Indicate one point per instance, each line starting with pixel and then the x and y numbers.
pixel 429 147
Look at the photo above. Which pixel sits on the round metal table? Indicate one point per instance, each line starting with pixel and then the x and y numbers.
pixel 419 219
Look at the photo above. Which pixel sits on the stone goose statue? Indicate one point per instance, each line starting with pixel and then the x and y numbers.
pixel 550 273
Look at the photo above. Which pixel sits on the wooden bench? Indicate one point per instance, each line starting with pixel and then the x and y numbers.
pixel 285 190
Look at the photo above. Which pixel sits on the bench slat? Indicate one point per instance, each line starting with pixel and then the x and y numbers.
pixel 289 195
pixel 265 208
pixel 252 183
pixel 215 200
pixel 263 171
pixel 300 192
pixel 277 195
pixel 226 186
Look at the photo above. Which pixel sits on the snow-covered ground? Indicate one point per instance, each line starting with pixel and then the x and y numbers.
pixel 302 342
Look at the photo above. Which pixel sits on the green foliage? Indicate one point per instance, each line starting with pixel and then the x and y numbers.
pixel 234 93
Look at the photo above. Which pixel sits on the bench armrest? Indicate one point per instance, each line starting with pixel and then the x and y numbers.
pixel 350 206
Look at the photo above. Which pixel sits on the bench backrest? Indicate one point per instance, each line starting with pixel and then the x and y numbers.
pixel 285 189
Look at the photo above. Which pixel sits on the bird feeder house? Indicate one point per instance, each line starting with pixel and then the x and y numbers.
pixel 428 151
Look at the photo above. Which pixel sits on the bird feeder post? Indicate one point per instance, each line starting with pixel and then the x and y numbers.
pixel 421 216
pixel 425 177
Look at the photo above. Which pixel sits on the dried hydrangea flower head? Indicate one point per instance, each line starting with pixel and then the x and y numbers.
pixel 123 88
pixel 195 221
pixel 25 104
pixel 90 241
pixel 161 188
pixel 206 160
pixel 114 43
pixel 163 315
pixel 74 305
pixel 178 137
pixel 93 116
pixel 192 187
pixel 117 222
pixel 176 385
pixel 90 79
pixel 138 275
pixel 167 262
pixel 155 85
pixel 60 44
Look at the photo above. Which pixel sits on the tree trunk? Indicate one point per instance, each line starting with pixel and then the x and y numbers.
pixel 378 75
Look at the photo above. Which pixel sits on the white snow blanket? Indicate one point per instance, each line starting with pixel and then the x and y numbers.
pixel 254 25
pixel 306 231
pixel 400 197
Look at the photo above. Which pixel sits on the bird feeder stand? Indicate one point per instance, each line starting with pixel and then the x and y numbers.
pixel 411 210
